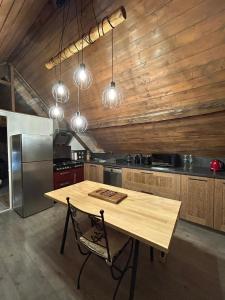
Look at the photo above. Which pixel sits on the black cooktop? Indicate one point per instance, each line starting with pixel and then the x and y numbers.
pixel 66 164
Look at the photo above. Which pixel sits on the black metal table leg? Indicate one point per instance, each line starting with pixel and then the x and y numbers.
pixel 65 231
pixel 151 253
pixel 134 269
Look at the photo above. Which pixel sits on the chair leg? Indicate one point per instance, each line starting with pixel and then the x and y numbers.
pixel 117 286
pixel 123 271
pixel 65 232
pixel 162 257
pixel 81 270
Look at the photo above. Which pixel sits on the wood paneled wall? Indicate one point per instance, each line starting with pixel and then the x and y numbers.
pixel 169 63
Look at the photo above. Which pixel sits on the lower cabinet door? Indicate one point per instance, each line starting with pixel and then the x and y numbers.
pixel 219 205
pixel 197 196
pixel 63 178
pixel 164 184
pixel 78 174
pixel 93 172
pixel 155 183
pixel 133 179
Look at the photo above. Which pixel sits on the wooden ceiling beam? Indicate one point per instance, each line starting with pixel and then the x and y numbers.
pixel 163 115
pixel 103 27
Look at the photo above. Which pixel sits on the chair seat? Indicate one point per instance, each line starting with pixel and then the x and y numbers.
pixel 116 242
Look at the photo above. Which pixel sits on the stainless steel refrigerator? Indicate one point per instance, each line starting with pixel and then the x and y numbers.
pixel 32 172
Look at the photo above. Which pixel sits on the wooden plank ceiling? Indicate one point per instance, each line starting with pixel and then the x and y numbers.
pixel 16 17
pixel 169 63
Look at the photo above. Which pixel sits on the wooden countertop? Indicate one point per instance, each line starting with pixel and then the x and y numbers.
pixel 148 218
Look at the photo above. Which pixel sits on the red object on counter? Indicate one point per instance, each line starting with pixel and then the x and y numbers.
pixel 216 165
pixel 67 177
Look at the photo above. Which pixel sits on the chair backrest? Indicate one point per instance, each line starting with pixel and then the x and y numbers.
pixel 97 221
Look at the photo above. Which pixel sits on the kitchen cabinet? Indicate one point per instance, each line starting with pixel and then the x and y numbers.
pixel 68 177
pixel 197 196
pixel 93 172
pixel 163 184
pixel 203 199
pixel 157 183
pixel 219 205
pixel 133 179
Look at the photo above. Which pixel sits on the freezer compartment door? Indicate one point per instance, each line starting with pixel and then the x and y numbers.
pixel 17 192
pixel 37 180
pixel 37 147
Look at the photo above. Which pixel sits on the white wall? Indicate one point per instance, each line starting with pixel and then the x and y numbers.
pixel 75 145
pixel 21 123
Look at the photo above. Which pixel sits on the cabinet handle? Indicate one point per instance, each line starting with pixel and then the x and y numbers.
pixel 197 179
pixel 147 193
pixel 147 173
pixel 64 173
pixel 93 166
pixel 64 183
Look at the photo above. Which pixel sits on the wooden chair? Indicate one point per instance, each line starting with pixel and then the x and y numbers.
pixel 105 242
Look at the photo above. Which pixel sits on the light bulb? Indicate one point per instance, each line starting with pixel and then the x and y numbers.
pixel 60 89
pixel 111 96
pixel 112 93
pixel 82 74
pixel 79 123
pixel 60 92
pixel 56 113
pixel 82 77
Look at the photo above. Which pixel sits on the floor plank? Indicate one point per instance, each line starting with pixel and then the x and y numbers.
pixel 32 268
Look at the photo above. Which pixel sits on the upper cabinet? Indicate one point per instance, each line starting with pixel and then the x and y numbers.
pixel 197 196
pixel 157 183
pixel 93 172
pixel 219 205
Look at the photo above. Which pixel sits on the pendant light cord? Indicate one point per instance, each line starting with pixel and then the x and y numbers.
pixel 82 52
pixel 82 30
pixel 112 55
pixel 78 99
pixel 96 21
pixel 78 29
pixel 64 24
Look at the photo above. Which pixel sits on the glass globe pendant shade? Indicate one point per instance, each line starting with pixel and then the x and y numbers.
pixel 82 77
pixel 79 123
pixel 60 92
pixel 56 113
pixel 112 96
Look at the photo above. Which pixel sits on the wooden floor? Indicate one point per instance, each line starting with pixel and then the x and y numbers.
pixel 4 197
pixel 32 268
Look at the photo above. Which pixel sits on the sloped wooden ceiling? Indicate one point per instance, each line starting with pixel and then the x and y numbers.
pixel 16 17
pixel 169 63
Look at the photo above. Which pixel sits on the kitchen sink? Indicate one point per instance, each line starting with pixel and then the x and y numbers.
pixel 161 168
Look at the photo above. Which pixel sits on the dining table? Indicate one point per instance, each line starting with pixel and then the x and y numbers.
pixel 146 218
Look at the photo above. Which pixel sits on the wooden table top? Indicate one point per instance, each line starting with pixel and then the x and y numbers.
pixel 150 219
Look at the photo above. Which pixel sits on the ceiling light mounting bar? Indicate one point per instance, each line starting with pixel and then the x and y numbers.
pixel 106 25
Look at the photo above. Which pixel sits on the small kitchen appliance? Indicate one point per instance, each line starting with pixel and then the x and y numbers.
pixel 216 165
pixel 165 160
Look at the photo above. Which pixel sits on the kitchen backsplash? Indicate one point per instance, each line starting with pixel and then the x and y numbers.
pixel 198 161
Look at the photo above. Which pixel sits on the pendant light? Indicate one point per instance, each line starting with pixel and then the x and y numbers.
pixel 56 112
pixel 78 122
pixel 82 76
pixel 60 91
pixel 112 96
